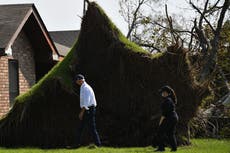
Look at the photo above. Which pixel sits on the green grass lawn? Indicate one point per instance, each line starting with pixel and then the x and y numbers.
pixel 198 146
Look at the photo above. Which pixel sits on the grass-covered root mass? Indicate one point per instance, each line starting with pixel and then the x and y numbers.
pixel 125 79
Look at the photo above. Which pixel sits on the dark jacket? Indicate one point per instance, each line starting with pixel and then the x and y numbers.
pixel 168 108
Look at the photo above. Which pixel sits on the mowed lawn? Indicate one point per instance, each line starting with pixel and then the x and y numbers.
pixel 198 146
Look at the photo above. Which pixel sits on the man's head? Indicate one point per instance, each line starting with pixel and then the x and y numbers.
pixel 79 79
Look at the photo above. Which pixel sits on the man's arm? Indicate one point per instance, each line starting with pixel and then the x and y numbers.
pixel 81 114
pixel 82 101
pixel 161 120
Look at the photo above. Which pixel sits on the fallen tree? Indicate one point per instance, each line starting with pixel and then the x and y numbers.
pixel 125 79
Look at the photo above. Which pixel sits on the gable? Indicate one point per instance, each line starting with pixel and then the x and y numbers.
pixel 14 18
pixel 11 17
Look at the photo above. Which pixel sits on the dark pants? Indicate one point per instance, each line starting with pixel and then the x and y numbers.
pixel 89 121
pixel 167 129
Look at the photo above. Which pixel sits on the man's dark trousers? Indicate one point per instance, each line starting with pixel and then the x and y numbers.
pixel 89 121
pixel 168 128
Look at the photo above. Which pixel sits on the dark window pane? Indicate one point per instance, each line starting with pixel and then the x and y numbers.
pixel 13 80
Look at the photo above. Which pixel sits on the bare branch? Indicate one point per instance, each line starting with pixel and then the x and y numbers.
pixel 174 30
pixel 170 23
pixel 141 2
pixel 202 17
pixel 214 7
pixel 149 46
pixel 203 14
pixel 202 39
pixel 154 22
pixel 221 19
pixel 191 38
pixel 146 44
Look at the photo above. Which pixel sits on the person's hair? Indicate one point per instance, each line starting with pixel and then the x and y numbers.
pixel 79 77
pixel 171 93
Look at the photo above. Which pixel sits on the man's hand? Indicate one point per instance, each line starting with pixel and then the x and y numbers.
pixel 161 120
pixel 81 114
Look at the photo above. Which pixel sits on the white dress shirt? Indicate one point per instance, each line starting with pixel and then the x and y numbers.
pixel 87 97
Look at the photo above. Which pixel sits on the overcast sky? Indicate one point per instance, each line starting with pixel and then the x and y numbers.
pixel 64 14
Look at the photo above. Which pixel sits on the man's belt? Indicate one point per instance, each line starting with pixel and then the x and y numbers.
pixel 91 106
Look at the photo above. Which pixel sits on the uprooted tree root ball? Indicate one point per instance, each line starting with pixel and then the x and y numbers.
pixel 125 79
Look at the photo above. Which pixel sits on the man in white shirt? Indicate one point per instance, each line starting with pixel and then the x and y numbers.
pixel 88 110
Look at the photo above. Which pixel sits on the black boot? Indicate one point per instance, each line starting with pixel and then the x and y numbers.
pixel 173 149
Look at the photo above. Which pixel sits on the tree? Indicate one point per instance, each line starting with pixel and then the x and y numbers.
pixel 156 33
pixel 209 43
pixel 210 119
pixel 221 81
pixel 152 30
pixel 144 28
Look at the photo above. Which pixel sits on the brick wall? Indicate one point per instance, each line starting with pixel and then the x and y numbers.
pixel 23 52
pixel 4 86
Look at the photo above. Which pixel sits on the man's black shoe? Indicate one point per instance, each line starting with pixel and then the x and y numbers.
pixel 173 150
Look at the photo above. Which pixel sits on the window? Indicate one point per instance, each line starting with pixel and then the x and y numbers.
pixel 13 79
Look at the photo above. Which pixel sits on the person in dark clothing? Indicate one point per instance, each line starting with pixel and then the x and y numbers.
pixel 168 120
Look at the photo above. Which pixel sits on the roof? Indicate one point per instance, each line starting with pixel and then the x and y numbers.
pixel 11 16
pixel 64 40
pixel 14 17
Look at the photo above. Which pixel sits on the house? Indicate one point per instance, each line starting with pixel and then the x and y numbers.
pixel 27 51
pixel 64 40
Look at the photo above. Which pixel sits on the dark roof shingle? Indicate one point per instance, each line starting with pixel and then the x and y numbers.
pixel 64 40
pixel 11 16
